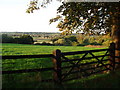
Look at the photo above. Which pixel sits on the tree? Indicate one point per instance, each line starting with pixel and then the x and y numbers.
pixel 25 39
pixel 7 39
pixel 59 42
pixel 90 18
pixel 67 41
pixel 35 5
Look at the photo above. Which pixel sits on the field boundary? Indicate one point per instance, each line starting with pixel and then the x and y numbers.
pixel 75 67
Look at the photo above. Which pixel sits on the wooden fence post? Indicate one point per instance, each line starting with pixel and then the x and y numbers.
pixel 57 66
pixel 112 55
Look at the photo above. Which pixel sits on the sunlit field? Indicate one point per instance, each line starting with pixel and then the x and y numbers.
pixel 23 49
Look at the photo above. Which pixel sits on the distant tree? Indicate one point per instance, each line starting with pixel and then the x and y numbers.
pixel 72 38
pixel 65 40
pixel 55 39
pixel 100 39
pixel 25 39
pixel 75 43
pixel 17 40
pixel 59 42
pixel 86 41
pixel 45 43
pixel 7 39
pixel 80 38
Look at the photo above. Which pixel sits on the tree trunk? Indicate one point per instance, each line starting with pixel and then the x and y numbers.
pixel 116 36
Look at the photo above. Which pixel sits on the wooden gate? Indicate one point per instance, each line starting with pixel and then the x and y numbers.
pixel 86 63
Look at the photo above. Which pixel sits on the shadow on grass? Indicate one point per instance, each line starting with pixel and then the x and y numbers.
pixel 110 80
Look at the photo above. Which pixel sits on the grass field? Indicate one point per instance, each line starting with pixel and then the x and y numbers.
pixel 30 80
pixel 22 49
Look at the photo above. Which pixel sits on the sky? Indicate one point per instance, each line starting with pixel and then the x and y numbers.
pixel 13 17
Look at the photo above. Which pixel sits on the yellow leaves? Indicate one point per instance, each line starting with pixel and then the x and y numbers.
pixel 32 6
pixel 74 23
pixel 66 20
pixel 60 29
pixel 55 19
pixel 33 2
pixel 93 22
pixel 86 25
pixel 27 11
pixel 60 25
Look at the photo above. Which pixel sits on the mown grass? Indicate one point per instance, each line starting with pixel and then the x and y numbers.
pixel 22 49
pixel 30 80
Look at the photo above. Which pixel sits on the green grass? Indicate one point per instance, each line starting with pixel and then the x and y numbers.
pixel 22 49
pixel 110 80
pixel 30 80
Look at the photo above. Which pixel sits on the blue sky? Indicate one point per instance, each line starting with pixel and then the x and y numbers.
pixel 13 17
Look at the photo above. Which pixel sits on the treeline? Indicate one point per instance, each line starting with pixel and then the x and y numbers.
pixel 82 40
pixel 23 39
pixel 71 40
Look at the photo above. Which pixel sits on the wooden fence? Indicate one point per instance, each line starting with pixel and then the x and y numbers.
pixel 65 68
pixel 29 70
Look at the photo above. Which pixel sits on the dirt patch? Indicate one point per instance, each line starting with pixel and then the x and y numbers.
pixel 94 46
